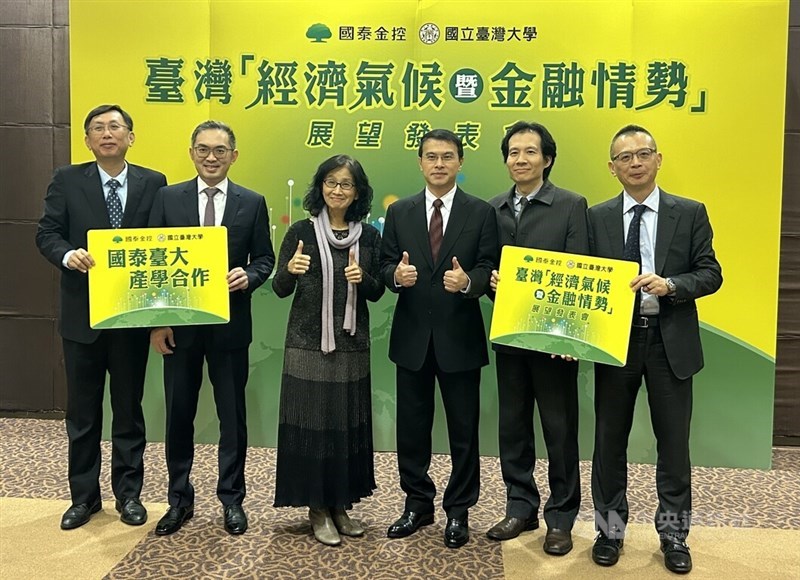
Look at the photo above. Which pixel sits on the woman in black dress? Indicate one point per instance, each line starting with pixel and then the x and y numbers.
pixel 330 262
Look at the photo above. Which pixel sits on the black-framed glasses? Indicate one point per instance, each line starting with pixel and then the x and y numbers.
pixel 627 156
pixel 345 185
pixel 203 151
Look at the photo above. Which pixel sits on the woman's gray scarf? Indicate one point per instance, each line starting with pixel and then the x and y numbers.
pixel 326 239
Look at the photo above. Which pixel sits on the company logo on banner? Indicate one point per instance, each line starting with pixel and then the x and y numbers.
pixel 158 277
pixel 565 304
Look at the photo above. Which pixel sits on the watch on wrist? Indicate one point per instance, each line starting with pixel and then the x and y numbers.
pixel 671 288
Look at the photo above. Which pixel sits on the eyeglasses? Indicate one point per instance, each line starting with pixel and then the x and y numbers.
pixel 203 151
pixel 627 156
pixel 446 158
pixel 345 185
pixel 113 127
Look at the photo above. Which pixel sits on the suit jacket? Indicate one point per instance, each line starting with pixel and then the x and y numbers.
pixel 75 204
pixel 249 247
pixel 684 253
pixel 555 221
pixel 426 310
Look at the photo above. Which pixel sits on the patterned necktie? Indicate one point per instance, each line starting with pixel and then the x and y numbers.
pixel 633 252
pixel 436 229
pixel 210 217
pixel 114 204
pixel 523 203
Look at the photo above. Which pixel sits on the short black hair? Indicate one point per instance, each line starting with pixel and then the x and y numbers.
pixel 628 130
pixel 442 135
pixel 210 125
pixel 99 110
pixel 548 143
pixel 313 202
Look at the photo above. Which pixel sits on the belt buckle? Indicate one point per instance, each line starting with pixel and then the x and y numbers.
pixel 641 322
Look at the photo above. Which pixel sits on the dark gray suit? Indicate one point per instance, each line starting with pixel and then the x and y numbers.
pixel 224 346
pixel 666 355
pixel 555 221
pixel 75 204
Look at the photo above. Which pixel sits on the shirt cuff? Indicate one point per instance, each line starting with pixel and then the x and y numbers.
pixel 65 259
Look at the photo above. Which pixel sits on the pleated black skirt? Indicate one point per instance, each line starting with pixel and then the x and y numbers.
pixel 325 430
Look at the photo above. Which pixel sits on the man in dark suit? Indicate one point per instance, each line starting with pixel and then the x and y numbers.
pixel 671 238
pixel 439 248
pixel 212 199
pixel 105 193
pixel 537 214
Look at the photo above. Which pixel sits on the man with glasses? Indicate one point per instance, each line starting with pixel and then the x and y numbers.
pixel 211 199
pixel 671 238
pixel 105 193
pixel 439 248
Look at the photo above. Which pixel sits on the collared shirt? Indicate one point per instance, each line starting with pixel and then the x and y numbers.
pixel 447 206
pixel 122 191
pixel 648 226
pixel 219 199
pixel 518 198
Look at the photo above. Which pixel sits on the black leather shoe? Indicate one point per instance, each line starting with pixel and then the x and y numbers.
pixel 456 533
pixel 131 511
pixel 173 520
pixel 605 551
pixel 235 519
pixel 79 514
pixel 558 542
pixel 509 528
pixel 676 556
pixel 408 523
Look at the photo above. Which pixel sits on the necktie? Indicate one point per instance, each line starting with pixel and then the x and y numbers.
pixel 523 203
pixel 436 229
pixel 114 204
pixel 632 250
pixel 209 218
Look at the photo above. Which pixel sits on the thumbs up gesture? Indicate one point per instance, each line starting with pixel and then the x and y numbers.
pixel 405 274
pixel 300 262
pixel 353 272
pixel 455 280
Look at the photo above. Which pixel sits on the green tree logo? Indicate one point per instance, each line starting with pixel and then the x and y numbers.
pixel 318 32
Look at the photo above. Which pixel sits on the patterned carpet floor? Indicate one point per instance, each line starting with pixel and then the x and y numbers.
pixel 279 543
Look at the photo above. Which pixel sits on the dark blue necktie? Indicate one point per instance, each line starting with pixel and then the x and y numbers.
pixel 632 251
pixel 114 204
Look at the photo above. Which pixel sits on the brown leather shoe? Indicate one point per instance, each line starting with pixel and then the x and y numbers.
pixel 509 528
pixel 558 542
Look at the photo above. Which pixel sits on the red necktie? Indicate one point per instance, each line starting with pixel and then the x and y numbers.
pixel 436 229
